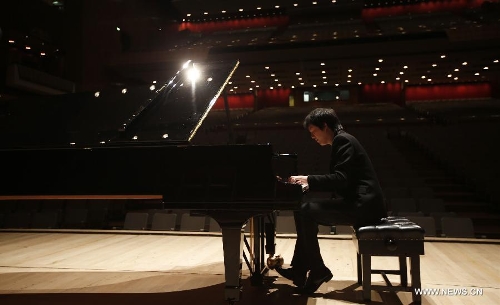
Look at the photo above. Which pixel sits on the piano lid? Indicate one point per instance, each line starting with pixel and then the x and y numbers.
pixel 167 113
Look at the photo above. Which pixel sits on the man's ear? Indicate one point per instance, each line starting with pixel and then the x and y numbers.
pixel 325 126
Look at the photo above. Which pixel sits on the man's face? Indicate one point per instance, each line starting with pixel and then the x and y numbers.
pixel 322 136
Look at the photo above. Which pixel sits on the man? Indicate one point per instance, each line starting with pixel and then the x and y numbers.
pixel 357 198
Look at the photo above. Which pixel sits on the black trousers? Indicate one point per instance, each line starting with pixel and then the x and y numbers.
pixel 307 255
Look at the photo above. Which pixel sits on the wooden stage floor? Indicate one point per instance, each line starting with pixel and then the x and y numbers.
pixel 109 268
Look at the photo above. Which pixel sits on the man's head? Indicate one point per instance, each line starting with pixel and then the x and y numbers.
pixel 323 124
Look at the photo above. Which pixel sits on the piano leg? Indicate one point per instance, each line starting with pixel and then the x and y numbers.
pixel 232 237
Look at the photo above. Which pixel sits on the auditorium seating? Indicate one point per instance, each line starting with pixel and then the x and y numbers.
pixel 136 221
pixel 214 226
pixel 457 227
pixel 426 222
pixel 164 221
pixel 191 223
pixel 285 224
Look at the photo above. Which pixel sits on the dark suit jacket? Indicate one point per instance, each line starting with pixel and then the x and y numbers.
pixel 352 178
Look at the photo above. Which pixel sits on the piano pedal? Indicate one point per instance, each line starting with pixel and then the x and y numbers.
pixel 275 261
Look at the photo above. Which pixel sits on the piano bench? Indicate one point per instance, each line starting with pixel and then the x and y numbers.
pixel 394 236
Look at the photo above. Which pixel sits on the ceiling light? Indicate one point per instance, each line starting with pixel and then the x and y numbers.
pixel 485 68
pixel 380 60
pixel 374 74
pixel 377 69
pixel 434 65
pixel 456 70
pixel 443 56
pixel 464 63
pixel 405 67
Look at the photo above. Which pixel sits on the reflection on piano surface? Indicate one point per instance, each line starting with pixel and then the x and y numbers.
pixel 134 143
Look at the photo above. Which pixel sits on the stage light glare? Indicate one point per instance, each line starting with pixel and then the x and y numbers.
pixel 193 74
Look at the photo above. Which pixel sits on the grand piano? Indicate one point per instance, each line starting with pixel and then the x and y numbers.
pixel 135 143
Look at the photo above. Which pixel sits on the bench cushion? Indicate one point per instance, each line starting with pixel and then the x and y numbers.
pixel 393 236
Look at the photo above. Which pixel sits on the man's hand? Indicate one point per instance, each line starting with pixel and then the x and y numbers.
pixel 302 180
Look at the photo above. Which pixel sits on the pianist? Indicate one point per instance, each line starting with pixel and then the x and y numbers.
pixel 357 198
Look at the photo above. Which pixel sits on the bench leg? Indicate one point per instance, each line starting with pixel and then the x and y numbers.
pixel 415 278
pixel 403 271
pixel 367 276
pixel 360 273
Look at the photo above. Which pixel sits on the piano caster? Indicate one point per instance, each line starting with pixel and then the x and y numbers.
pixel 274 262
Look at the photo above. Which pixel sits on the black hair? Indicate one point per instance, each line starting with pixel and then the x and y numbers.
pixel 319 116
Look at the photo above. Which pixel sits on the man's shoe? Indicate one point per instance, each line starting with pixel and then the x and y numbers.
pixel 285 272
pixel 315 281
pixel 298 279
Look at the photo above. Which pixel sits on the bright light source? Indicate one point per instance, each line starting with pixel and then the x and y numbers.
pixel 193 74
